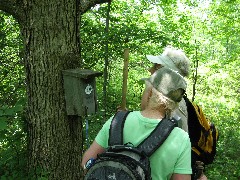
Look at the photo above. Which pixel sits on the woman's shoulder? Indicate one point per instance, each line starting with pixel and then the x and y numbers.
pixel 179 133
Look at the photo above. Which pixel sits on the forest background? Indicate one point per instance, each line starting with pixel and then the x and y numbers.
pixel 207 31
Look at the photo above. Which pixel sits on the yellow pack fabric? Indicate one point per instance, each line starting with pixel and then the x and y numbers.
pixel 206 141
pixel 202 132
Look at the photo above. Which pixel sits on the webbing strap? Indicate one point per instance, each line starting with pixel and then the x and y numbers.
pixel 157 136
pixel 151 143
pixel 116 128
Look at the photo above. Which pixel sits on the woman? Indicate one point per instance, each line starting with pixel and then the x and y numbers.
pixel 172 160
pixel 176 60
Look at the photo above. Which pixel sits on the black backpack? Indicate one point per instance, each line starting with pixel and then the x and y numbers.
pixel 124 161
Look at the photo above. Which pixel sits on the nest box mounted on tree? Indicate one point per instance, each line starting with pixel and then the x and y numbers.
pixel 80 91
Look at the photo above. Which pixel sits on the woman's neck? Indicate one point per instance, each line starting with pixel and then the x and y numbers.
pixel 153 113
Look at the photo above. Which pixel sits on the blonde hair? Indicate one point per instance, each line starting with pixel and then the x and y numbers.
pixel 179 59
pixel 157 100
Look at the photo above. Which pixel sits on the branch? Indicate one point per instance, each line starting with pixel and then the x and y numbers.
pixel 85 5
pixel 12 7
pixel 195 74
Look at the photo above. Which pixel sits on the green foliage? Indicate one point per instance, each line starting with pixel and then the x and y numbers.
pixel 207 31
pixel 13 159
pixel 221 103
pixel 11 65
pixel 206 36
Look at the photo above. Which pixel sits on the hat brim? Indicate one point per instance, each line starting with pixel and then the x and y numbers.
pixel 163 60
pixel 154 59
pixel 143 80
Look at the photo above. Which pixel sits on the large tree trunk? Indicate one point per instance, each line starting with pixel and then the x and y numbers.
pixel 51 34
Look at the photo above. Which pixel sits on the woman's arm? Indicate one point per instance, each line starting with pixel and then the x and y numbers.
pixel 181 177
pixel 92 152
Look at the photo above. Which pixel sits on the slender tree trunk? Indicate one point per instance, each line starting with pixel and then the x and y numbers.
pixel 106 62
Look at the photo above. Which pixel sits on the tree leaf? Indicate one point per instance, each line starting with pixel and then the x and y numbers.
pixel 3 123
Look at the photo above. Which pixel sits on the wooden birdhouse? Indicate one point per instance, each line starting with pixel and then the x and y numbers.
pixel 80 91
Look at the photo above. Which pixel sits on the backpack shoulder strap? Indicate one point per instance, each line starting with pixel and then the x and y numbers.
pixel 157 136
pixel 194 126
pixel 116 128
pixel 186 99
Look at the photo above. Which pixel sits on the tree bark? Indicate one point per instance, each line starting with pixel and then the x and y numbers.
pixel 52 44
pixel 50 30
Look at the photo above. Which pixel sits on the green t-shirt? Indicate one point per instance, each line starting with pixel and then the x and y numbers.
pixel 173 156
